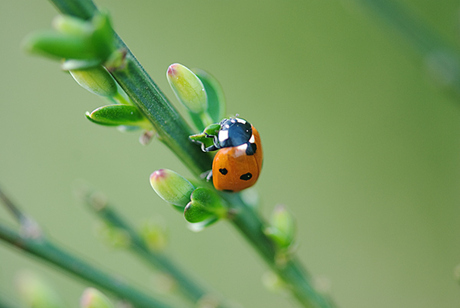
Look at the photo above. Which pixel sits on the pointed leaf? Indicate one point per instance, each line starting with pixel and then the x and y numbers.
pixel 113 115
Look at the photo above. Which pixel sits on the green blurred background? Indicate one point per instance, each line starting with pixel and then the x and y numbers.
pixel 359 143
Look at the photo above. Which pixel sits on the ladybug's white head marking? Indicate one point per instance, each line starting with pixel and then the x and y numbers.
pixel 240 120
pixel 252 139
pixel 223 135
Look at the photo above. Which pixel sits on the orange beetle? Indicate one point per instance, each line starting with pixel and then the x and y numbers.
pixel 238 162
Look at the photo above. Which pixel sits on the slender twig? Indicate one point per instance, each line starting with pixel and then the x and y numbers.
pixel 39 245
pixel 52 253
pixel 174 132
pixel 189 287
pixel 14 210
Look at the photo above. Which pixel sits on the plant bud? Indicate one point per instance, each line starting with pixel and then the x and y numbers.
pixel 188 88
pixel 113 115
pixel 58 45
pixel 282 227
pixel 113 236
pixel 90 41
pixel 72 25
pixel 36 293
pixel 96 80
pixel 93 298
pixel 204 204
pixel 172 187
pixel 154 234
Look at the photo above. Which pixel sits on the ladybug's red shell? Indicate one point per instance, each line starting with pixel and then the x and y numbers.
pixel 234 170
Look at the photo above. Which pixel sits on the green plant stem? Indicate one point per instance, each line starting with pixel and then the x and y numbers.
pixel 174 132
pixel 44 249
pixel 298 281
pixel 190 288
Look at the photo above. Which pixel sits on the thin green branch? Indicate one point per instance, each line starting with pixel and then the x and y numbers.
pixel 17 214
pixel 190 288
pixel 46 250
pixel 35 242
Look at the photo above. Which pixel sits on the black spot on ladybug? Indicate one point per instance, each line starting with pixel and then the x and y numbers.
pixel 246 176
pixel 223 171
pixel 251 149
pixel 228 190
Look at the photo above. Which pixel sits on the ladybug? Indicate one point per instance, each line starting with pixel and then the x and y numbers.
pixel 238 162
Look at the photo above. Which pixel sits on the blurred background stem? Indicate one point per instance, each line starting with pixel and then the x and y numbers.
pixel 441 57
pixel 31 239
pixel 187 286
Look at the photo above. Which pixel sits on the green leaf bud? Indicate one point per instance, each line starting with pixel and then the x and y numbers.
pixel 96 80
pixel 204 204
pixel 93 41
pixel 273 282
pixel 210 200
pixel 282 227
pixel 72 25
pixel 212 130
pixel 59 45
pixel 93 298
pixel 114 115
pixel 103 38
pixel 36 292
pixel 113 236
pixel 172 187
pixel 154 234
pixel 188 88
pixel 203 138
pixel 196 212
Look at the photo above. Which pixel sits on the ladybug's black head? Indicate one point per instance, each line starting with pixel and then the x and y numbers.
pixel 234 132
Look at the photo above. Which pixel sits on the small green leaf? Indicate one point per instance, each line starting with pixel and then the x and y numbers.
pixel 212 130
pixel 282 227
pixel 93 298
pixel 96 80
pixel 200 226
pixel 216 99
pixel 114 115
pixel 187 87
pixel 204 204
pixel 75 39
pixel 203 139
pixel 58 45
pixel 195 212
pixel 172 187
pixel 209 200
pixel 72 25
pixel 103 38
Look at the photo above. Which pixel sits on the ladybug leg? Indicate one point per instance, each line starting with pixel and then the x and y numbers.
pixel 207 175
pixel 211 148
